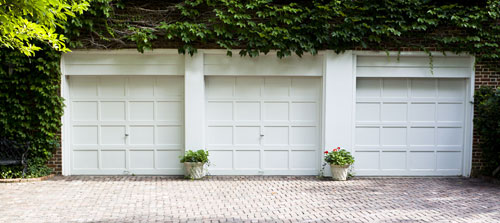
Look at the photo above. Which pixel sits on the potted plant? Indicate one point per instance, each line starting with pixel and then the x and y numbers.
pixel 194 162
pixel 340 160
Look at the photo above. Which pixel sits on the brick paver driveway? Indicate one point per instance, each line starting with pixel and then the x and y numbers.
pixel 250 199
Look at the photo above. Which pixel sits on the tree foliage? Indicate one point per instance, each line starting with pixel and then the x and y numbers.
pixel 24 22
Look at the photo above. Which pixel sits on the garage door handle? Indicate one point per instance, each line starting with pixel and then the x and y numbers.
pixel 261 135
pixel 126 134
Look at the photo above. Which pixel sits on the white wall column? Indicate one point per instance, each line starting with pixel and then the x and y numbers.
pixel 338 92
pixel 194 108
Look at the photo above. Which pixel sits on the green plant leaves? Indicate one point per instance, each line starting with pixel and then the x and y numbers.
pixel 487 126
pixel 339 157
pixel 30 105
pixel 195 156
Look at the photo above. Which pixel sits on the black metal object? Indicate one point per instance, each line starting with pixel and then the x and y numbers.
pixel 14 153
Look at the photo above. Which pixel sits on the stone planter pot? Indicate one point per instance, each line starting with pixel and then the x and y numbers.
pixel 195 170
pixel 339 172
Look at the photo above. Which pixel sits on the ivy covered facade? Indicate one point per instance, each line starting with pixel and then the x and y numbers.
pixel 258 27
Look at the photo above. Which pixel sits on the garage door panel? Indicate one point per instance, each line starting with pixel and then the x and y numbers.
pixel 113 135
pixel 248 87
pixel 112 87
pixel 269 126
pixel 422 112
pixel 171 86
pixel 448 160
pixel 220 135
pixel 422 136
pixel 394 88
pixel 304 111
pixel 85 159
pixel 84 111
pixel 141 135
pixel 85 135
pixel 304 159
pixel 367 136
pixel 450 112
pixel 221 159
pixel 277 87
pixel 422 160
pixel 393 160
pixel 220 110
pixel 367 160
pixel 247 135
pixel 112 111
pixel 421 127
pixel 305 87
pixel 394 112
pixel 169 135
pixel 141 110
pixel 303 135
pixel 247 111
pixel 135 116
pixel 169 111
pixel 451 88
pixel 276 135
pixel 393 136
pixel 449 136
pixel 423 88
pixel 141 159
pixel 276 160
pixel 368 112
pixel 113 159
pixel 219 87
pixel 247 159
pixel 139 87
pixel 369 88
pixel 83 87
pixel 168 159
pixel 274 111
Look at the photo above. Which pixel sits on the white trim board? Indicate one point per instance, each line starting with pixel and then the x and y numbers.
pixel 264 65
pixel 413 66
pixel 338 72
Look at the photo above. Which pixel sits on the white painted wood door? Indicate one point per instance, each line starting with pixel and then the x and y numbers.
pixel 263 125
pixel 409 126
pixel 126 125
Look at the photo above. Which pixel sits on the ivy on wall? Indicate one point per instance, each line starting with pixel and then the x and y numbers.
pixel 31 108
pixel 487 125
pixel 293 27
pixel 30 105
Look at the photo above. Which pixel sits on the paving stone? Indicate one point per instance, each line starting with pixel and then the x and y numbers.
pixel 249 199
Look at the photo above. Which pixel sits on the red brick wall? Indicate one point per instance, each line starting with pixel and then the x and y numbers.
pixel 56 162
pixel 485 76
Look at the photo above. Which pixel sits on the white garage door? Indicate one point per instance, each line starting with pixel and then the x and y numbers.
pixel 409 126
pixel 263 125
pixel 123 125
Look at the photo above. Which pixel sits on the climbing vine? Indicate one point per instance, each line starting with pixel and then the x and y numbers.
pixel 487 125
pixel 30 105
pixel 293 27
